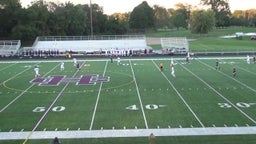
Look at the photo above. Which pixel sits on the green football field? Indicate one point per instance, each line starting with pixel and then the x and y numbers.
pixel 135 95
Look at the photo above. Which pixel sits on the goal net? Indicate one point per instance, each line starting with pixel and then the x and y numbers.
pixel 175 45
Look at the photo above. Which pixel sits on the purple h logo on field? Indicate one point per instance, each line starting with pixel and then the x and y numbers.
pixel 83 80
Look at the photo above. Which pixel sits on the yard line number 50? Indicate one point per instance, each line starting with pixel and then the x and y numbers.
pixel 54 109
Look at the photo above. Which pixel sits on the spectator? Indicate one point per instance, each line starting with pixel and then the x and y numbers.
pixel 56 141
pixel 151 138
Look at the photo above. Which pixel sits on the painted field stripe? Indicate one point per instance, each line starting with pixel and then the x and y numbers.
pixel 222 96
pixel 123 59
pixel 18 95
pixel 15 76
pixel 180 96
pixel 246 70
pixel 7 67
pixel 98 97
pixel 208 131
pixel 230 77
pixel 50 107
pixel 138 93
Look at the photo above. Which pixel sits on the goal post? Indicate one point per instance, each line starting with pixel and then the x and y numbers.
pixel 175 45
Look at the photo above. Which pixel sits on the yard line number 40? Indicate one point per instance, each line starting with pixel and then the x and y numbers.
pixel 148 106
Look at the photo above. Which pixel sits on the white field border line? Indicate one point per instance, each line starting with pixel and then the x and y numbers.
pixel 180 96
pixel 208 131
pixel 7 66
pixel 138 93
pixel 230 77
pixel 124 59
pixel 222 96
pixel 50 107
pixel 18 95
pixel 98 97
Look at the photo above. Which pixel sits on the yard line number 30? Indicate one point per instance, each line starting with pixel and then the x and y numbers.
pixel 239 104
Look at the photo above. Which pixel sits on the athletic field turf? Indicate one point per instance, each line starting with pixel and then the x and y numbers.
pixel 134 99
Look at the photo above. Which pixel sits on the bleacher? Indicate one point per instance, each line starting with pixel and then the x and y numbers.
pixel 88 44
pixel 9 47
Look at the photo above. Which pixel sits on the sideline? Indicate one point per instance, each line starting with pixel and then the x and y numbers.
pixel 129 133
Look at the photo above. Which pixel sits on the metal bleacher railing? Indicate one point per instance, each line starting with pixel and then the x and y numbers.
pixel 90 43
pixel 9 47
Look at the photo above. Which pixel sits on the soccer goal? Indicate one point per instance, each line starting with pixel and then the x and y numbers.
pixel 175 45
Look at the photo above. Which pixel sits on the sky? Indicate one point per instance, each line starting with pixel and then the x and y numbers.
pixel 112 6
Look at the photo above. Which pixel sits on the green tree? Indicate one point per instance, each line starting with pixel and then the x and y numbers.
pixel 75 19
pixel 202 21
pixel 142 17
pixel 161 17
pixel 238 18
pixel 221 10
pixel 38 16
pixel 180 16
pixel 10 12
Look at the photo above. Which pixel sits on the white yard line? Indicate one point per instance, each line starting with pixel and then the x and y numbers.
pixel 180 96
pixel 219 94
pixel 7 66
pixel 229 77
pixel 18 95
pixel 138 93
pixel 209 131
pixel 14 76
pixel 98 97
pixel 253 73
pixel 50 107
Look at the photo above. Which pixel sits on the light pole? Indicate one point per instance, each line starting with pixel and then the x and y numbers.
pixel 91 18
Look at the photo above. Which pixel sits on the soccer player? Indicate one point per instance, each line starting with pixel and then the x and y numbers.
pixel 187 58
pixel 172 70
pixel 75 61
pixel 172 61
pixel 78 66
pixel 36 69
pixel 118 61
pixel 111 58
pixel 161 65
pixel 62 66
pixel 248 59
pixel 217 64
pixel 254 59
pixel 234 72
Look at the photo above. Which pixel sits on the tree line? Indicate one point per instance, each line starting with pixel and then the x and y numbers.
pixel 43 18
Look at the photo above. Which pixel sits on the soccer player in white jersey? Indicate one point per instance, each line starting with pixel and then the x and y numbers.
pixel 172 61
pixel 187 58
pixel 36 69
pixel 172 70
pixel 118 61
pixel 75 61
pixel 248 59
pixel 62 66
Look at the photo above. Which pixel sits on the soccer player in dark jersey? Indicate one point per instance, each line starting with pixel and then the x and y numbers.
pixel 234 72
pixel 217 64
pixel 78 66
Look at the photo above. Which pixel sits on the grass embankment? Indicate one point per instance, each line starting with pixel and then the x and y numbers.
pixel 211 42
